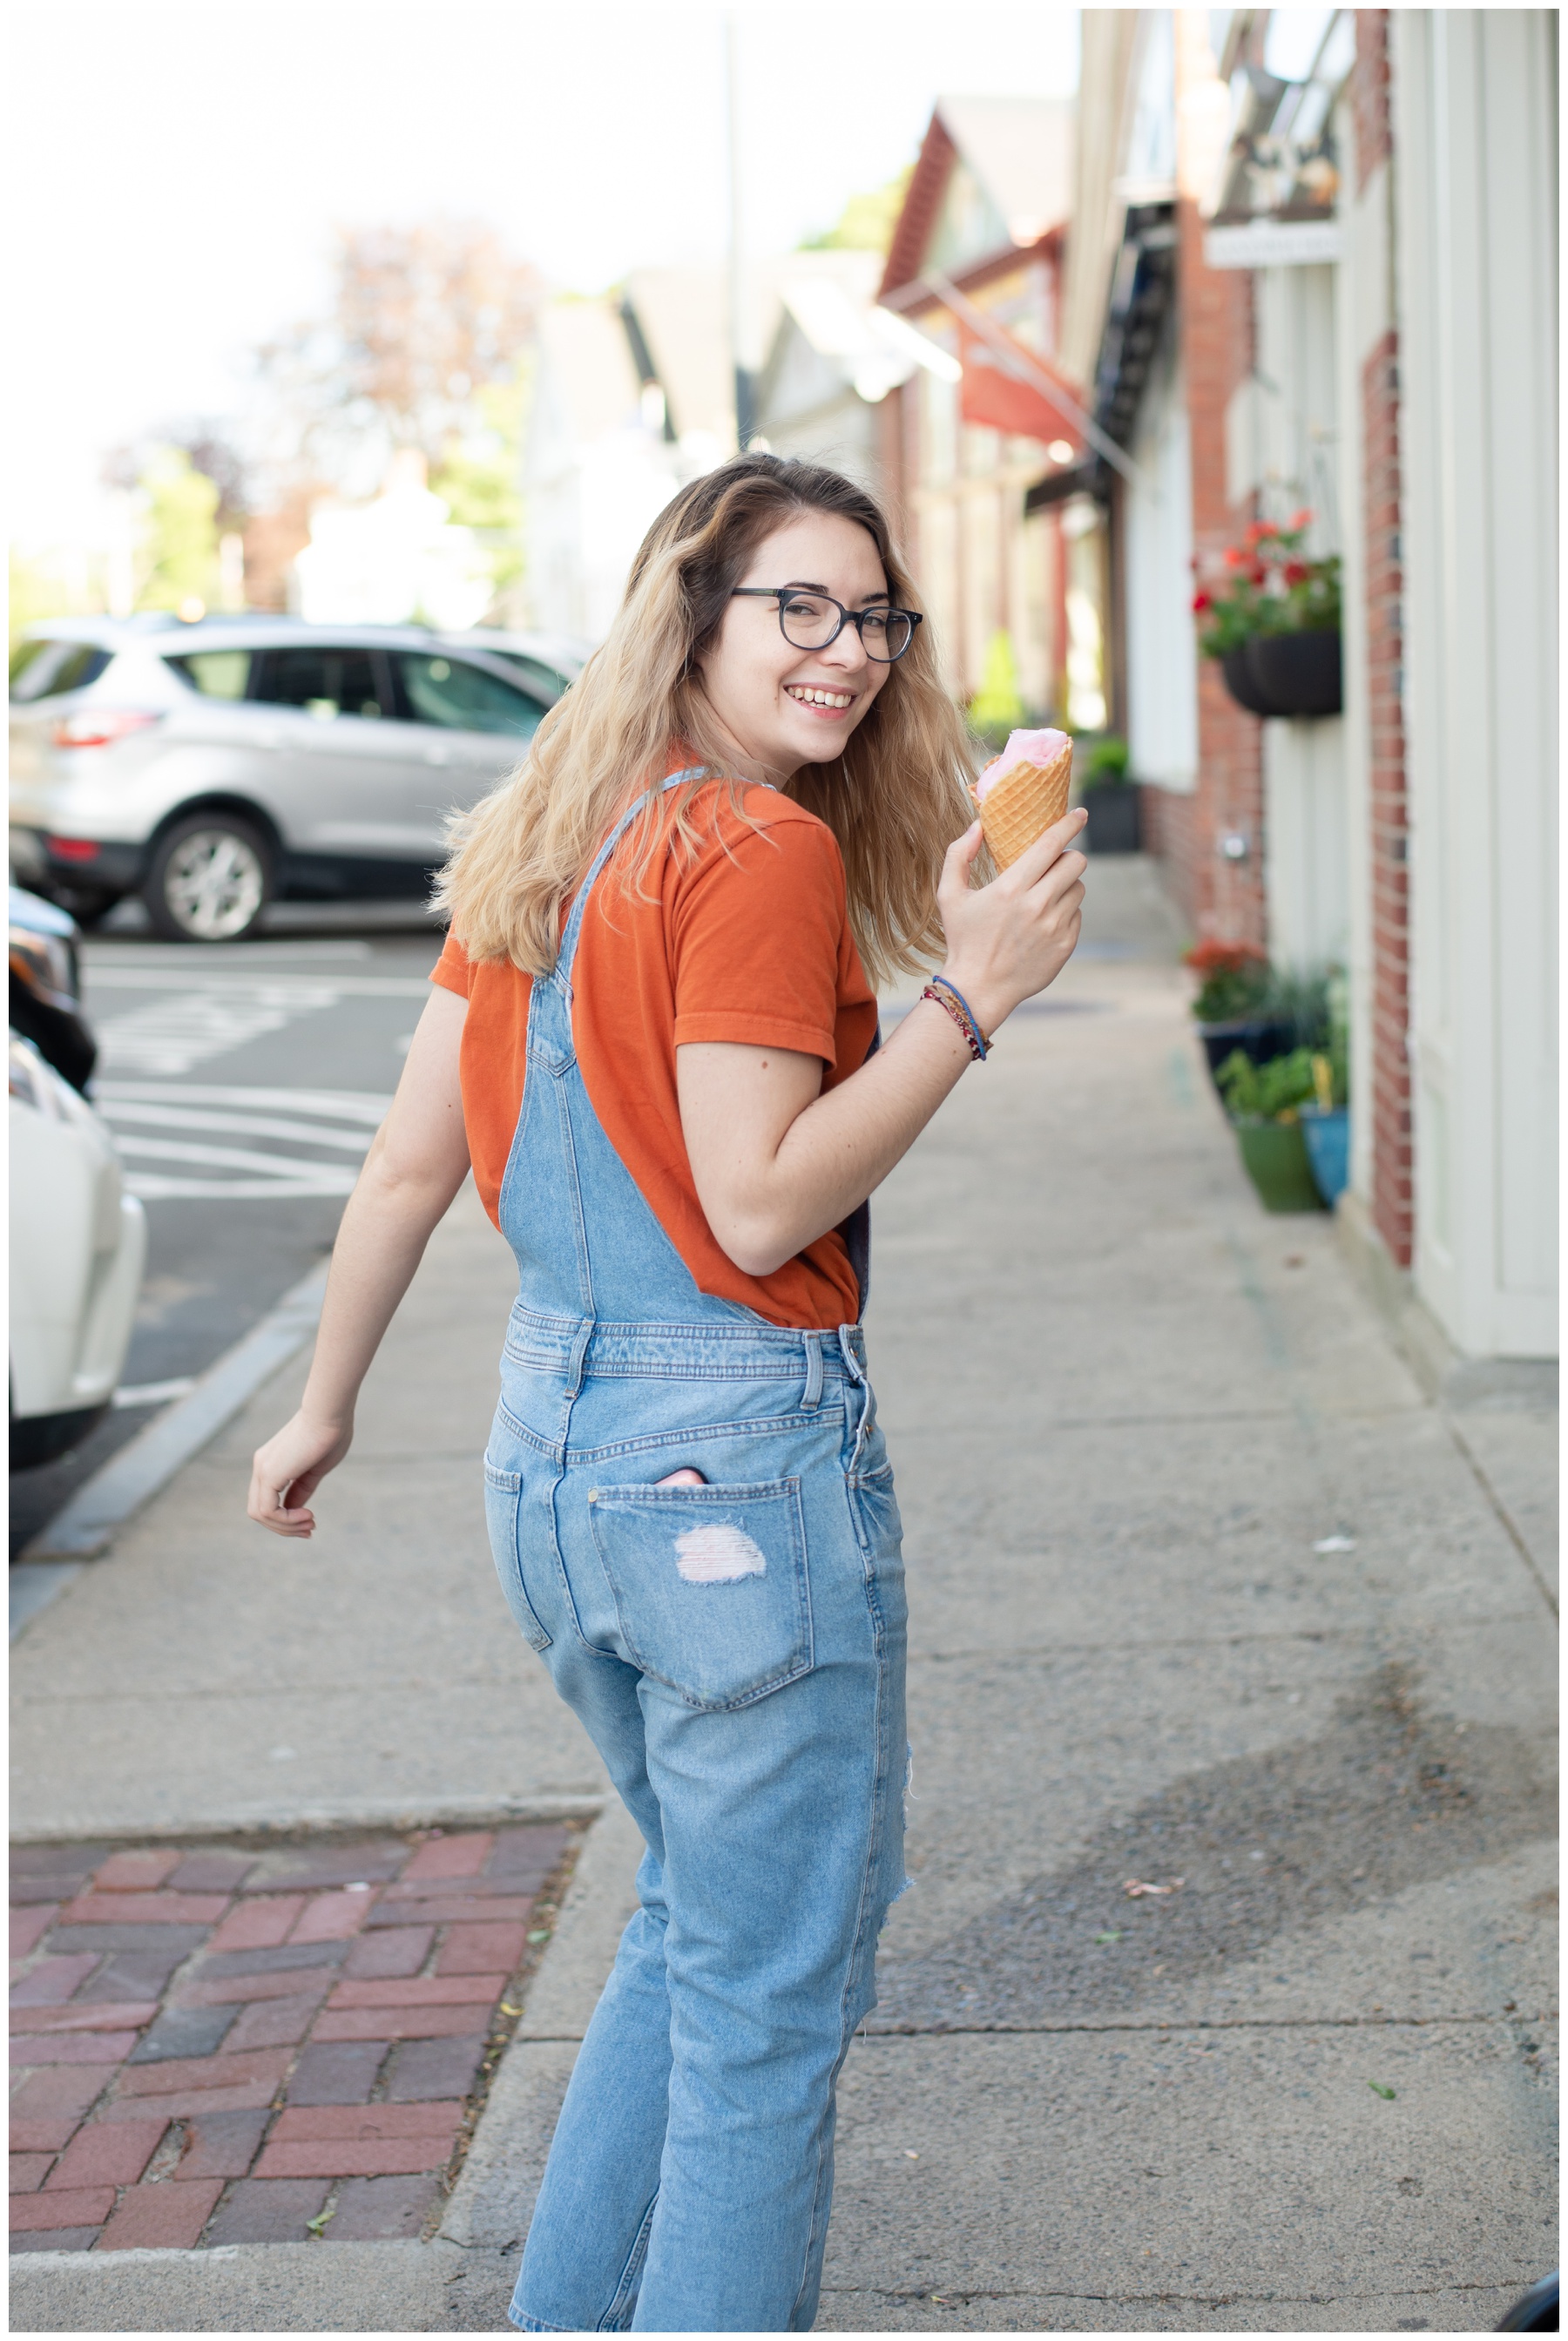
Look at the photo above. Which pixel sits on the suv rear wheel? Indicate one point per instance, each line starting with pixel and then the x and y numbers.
pixel 210 879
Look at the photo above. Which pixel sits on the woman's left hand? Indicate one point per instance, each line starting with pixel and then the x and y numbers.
pixel 1007 940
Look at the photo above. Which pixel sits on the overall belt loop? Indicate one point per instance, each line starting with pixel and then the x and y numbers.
pixel 847 1346
pixel 813 1393
pixel 579 1352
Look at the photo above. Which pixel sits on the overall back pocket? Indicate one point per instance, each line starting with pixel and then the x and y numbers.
pixel 502 1503
pixel 710 1585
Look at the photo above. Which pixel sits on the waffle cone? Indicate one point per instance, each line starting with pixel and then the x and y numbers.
pixel 1021 806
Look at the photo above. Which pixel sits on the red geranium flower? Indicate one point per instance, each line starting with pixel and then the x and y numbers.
pixel 1295 573
pixel 1203 602
pixel 1214 958
pixel 1303 518
pixel 1234 556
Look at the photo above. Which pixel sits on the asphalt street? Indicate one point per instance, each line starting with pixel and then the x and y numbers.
pixel 244 1082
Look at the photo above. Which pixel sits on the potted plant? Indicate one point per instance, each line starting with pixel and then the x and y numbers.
pixel 1265 1103
pixel 1236 1007
pixel 1325 1129
pixel 1323 1017
pixel 1271 617
pixel 1109 797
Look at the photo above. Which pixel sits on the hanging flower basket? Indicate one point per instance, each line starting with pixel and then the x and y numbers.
pixel 1271 617
pixel 1296 674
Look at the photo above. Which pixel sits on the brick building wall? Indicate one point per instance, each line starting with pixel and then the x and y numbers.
pixel 1222 898
pixel 1393 1165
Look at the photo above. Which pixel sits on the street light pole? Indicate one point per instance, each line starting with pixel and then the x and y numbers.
pixel 745 415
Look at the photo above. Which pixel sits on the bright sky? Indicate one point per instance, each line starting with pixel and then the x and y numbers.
pixel 179 164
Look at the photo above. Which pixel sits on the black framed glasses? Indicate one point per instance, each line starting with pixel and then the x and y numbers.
pixel 809 620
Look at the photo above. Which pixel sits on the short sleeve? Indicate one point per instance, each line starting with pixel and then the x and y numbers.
pixel 758 935
pixel 453 970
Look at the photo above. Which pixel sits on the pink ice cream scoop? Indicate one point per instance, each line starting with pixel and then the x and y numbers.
pixel 1042 749
pixel 1024 791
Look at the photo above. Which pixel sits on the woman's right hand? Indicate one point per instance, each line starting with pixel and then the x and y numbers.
pixel 1007 940
pixel 294 1464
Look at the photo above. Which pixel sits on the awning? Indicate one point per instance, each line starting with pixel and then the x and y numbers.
pixel 1143 287
pixel 1090 478
pixel 1002 398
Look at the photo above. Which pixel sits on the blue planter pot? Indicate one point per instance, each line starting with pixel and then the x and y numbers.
pixel 1327 1137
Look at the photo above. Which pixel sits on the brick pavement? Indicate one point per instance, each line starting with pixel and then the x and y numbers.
pixel 228 2045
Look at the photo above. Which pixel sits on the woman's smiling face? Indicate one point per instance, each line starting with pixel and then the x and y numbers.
pixel 784 707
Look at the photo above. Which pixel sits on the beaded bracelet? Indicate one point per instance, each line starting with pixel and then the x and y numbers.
pixel 947 995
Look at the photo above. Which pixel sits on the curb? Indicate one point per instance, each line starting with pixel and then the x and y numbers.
pixel 275 1819
pixel 490 2206
pixel 462 2280
pixel 87 1525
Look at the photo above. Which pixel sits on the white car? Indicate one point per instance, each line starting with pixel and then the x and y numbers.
pixel 78 1244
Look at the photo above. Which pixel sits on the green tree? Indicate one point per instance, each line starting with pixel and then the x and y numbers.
pixel 179 533
pixel 866 221
pixel 423 318
pixel 45 584
pixel 479 477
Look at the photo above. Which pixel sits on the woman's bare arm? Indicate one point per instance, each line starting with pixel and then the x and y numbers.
pixel 776 1161
pixel 417 1163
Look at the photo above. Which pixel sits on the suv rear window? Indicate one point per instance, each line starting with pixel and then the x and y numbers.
pixel 216 674
pixel 43 669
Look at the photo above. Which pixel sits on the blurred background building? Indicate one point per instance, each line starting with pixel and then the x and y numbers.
pixel 1312 263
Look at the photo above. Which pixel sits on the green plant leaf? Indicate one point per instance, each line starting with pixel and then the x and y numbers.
pixel 1379 2090
pixel 1271 1093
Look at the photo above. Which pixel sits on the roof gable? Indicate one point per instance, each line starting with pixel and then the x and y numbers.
pixel 994 175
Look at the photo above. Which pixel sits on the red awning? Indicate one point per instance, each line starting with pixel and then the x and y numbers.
pixel 1001 401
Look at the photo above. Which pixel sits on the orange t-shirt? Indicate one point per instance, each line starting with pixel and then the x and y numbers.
pixel 748 941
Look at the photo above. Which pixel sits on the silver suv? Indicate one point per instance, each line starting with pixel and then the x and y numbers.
pixel 211 767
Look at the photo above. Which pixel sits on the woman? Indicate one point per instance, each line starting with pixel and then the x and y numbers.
pixel 652 1038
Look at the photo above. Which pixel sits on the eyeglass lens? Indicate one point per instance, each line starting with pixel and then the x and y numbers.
pixel 810 622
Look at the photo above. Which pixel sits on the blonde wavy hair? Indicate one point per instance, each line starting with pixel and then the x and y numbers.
pixel 895 799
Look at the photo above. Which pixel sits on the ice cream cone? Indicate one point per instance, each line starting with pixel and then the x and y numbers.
pixel 1022 802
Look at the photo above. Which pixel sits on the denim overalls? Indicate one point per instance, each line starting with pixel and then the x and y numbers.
pixel 736 1651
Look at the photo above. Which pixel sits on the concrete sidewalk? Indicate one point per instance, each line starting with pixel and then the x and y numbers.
pixel 1207 1597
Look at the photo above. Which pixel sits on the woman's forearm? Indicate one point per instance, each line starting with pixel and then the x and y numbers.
pixel 778 1161
pixel 843 1145
pixel 386 1225
pixel 415 1166
pixel 825 1150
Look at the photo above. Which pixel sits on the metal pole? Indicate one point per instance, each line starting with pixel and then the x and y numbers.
pixel 745 419
pixel 1013 361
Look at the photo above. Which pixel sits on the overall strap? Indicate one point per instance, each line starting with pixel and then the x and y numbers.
pixel 569 940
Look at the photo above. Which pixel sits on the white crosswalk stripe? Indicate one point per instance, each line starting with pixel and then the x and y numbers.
pixel 280 1124
pixel 179 1031
pixel 183 1027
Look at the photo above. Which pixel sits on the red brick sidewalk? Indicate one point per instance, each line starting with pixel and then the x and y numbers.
pixel 225 2046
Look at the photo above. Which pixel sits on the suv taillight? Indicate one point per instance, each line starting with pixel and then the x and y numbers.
pixel 100 727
